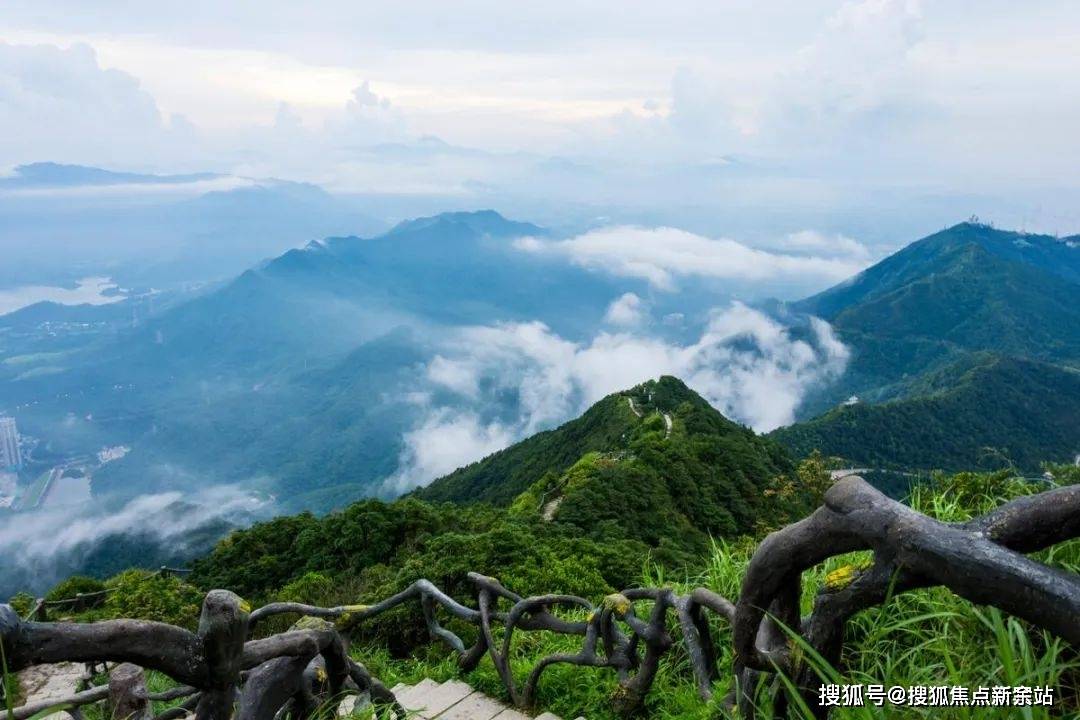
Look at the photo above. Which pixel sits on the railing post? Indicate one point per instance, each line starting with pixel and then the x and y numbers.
pixel 128 699
pixel 222 632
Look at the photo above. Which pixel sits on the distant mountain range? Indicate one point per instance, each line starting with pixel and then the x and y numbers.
pixel 59 223
pixel 296 374
pixel 301 375
pixel 57 175
pixel 969 339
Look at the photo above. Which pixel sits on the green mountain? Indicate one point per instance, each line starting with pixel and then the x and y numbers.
pixel 974 414
pixel 293 376
pixel 930 260
pixel 967 288
pixel 652 472
pixel 965 340
pixel 649 459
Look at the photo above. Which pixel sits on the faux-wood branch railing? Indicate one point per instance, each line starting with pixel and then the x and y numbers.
pixel 981 560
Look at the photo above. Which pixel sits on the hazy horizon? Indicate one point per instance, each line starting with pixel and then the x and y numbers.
pixel 876 119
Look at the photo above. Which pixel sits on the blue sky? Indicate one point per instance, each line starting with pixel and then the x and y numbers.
pixel 837 107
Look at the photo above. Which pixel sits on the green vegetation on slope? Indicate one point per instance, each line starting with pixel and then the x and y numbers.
pixel 946 256
pixel 642 492
pixel 966 289
pixel 964 346
pixel 925 637
pixel 980 412
pixel 714 451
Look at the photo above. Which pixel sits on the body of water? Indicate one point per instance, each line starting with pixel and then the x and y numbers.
pixel 90 290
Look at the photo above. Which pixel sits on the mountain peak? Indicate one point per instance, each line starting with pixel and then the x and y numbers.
pixel 974 248
pixel 662 410
pixel 51 174
pixel 485 222
pixel 664 395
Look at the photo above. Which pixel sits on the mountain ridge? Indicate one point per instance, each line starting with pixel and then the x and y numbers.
pixel 983 411
pixel 970 309
pixel 657 449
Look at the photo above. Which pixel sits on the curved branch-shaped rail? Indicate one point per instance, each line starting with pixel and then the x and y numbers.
pixel 219 668
pixel 980 560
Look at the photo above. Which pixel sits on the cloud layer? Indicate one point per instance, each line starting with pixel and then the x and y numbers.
pixel 747 365
pixel 627 310
pixel 813 106
pixel 660 255
pixel 168 520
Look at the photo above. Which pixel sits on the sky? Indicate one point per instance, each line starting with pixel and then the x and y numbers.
pixel 839 107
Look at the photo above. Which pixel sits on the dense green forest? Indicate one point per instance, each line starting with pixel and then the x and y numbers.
pixel 711 449
pixel 965 416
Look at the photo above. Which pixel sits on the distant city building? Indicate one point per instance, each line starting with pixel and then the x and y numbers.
pixel 8 486
pixel 10 457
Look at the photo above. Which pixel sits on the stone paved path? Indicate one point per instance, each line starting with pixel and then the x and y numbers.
pixel 42 683
pixel 452 700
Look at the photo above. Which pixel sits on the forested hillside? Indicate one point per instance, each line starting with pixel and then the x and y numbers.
pixel 984 411
pixel 698 433
pixel 969 288
pixel 964 347
pixel 652 472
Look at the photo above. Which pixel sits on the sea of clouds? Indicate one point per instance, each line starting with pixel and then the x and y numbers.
pixel 748 365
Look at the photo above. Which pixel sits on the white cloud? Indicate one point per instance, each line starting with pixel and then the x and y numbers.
pixel 812 242
pixel 76 531
pixel 627 310
pixel 763 110
pixel 60 103
pixel 746 364
pixel 659 255
pixel 193 188
pixel 445 441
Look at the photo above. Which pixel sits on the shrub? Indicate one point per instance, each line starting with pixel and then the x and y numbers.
pixel 75 585
pixel 150 596
pixel 311 588
pixel 22 603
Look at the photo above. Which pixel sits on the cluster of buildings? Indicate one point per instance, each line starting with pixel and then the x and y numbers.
pixel 10 461
pixel 10 455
